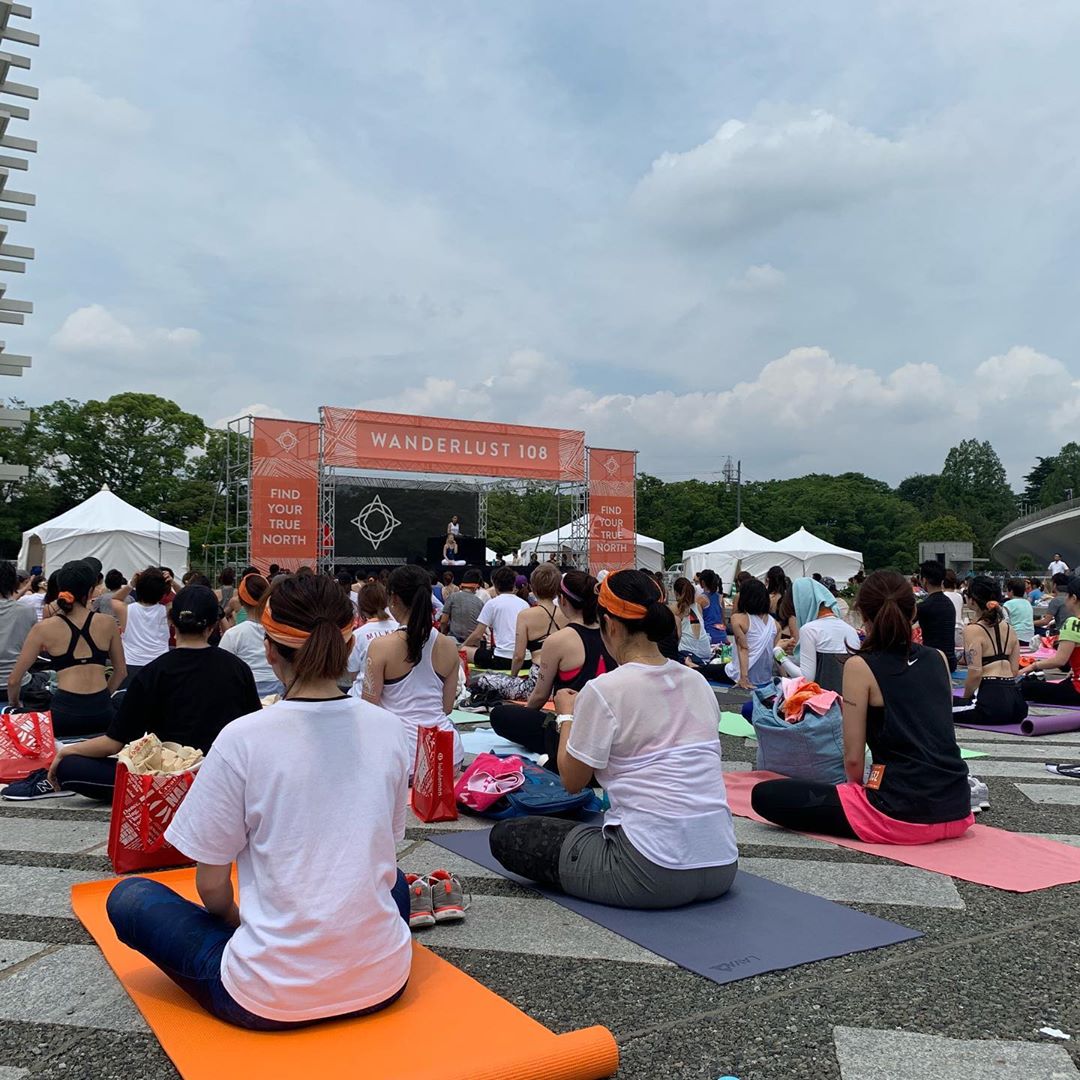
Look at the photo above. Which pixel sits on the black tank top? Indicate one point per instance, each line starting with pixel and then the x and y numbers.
pixel 534 644
pixel 925 779
pixel 1001 654
pixel 597 661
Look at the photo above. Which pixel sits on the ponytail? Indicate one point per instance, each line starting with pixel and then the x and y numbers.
pixel 310 621
pixel 887 603
pixel 579 589
pixel 985 593
pixel 412 586
pixel 639 603
pixel 74 583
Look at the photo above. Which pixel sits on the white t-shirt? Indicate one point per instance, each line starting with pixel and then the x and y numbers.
pixel 650 732
pixel 827 635
pixel 147 634
pixel 309 799
pixel 246 641
pixel 35 600
pixel 958 603
pixel 500 613
pixel 363 637
pixel 1057 567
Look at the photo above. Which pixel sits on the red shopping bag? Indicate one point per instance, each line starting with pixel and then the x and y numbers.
pixel 26 744
pixel 433 776
pixel 142 808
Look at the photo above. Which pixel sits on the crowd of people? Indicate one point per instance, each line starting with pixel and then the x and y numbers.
pixel 307 692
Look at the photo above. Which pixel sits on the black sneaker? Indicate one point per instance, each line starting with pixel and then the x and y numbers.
pixel 35 786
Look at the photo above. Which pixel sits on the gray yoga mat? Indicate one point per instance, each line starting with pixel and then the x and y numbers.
pixel 1068 720
pixel 757 927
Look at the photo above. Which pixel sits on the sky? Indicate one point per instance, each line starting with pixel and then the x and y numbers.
pixel 814 237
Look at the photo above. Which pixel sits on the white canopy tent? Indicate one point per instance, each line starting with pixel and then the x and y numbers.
pixel 650 552
pixel 740 549
pixel 111 530
pixel 817 556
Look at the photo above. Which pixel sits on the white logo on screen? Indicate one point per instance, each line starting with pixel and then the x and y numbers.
pixel 375 522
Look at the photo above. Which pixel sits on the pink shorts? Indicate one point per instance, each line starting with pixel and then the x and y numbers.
pixel 873 827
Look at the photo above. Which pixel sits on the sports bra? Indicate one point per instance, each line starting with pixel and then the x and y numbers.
pixel 69 659
pixel 597 661
pixel 1000 656
pixel 534 644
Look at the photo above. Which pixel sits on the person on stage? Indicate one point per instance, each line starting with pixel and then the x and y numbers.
pixel 454 528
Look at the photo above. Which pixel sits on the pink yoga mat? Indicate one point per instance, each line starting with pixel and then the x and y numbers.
pixel 985 855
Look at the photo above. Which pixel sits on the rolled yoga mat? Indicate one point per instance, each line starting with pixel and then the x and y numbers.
pixel 1056 724
pixel 395 1044
pixel 758 926
pixel 1016 862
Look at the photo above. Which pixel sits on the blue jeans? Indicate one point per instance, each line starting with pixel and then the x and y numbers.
pixel 186 942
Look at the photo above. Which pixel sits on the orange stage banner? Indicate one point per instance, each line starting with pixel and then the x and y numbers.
pixel 284 520
pixel 612 510
pixel 356 439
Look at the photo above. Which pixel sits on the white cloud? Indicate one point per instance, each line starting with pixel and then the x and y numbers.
pixel 258 408
pixel 95 329
pixel 759 172
pixel 84 110
pixel 806 411
pixel 763 277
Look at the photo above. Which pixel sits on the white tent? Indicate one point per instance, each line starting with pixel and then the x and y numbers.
pixel 650 552
pixel 740 549
pixel 817 556
pixel 106 527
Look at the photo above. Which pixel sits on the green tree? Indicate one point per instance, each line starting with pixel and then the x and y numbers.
pixel 946 527
pixel 1063 478
pixel 138 444
pixel 923 491
pixel 975 487
pixel 1034 481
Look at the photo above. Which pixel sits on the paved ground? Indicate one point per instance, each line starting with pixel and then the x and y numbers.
pixel 965 1002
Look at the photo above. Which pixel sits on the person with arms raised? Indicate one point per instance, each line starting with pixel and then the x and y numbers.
pixel 308 798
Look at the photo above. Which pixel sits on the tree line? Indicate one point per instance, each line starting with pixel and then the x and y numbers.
pixel 168 463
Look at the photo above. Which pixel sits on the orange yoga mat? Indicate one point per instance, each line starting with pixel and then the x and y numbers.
pixel 445 1024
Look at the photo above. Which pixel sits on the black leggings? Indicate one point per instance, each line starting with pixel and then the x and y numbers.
pixel 93 777
pixel 531 846
pixel 1047 693
pixel 79 716
pixel 526 728
pixel 802 805
pixel 997 701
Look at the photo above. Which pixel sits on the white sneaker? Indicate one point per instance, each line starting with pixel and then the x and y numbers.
pixel 980 795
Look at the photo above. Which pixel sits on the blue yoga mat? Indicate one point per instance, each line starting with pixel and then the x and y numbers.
pixel 757 927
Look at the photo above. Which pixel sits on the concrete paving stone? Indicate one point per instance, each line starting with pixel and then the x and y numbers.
pixel 1021 770
pixel 72 802
pixel 14 952
pixel 535 928
pixel 871 1054
pixel 748 831
pixel 54 837
pixel 1028 749
pixel 860 884
pixel 1061 838
pixel 39 890
pixel 72 986
pixel 427 857
pixel 8 1072
pixel 1056 794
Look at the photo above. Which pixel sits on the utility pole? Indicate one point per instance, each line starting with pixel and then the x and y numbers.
pixel 733 475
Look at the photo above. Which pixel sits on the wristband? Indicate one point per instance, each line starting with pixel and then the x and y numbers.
pixel 564 719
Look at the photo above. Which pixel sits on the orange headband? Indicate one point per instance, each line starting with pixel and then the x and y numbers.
pixel 244 594
pixel 621 609
pixel 291 636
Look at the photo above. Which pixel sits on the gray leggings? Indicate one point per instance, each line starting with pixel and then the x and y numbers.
pixel 600 865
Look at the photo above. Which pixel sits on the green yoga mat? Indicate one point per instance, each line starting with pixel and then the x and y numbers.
pixel 733 724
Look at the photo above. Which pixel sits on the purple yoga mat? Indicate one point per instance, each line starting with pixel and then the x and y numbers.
pixel 1068 720
pixel 758 926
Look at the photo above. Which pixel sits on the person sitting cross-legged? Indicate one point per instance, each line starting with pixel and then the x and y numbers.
pixel 898 699
pixel 648 730
pixel 186 696
pixel 308 798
